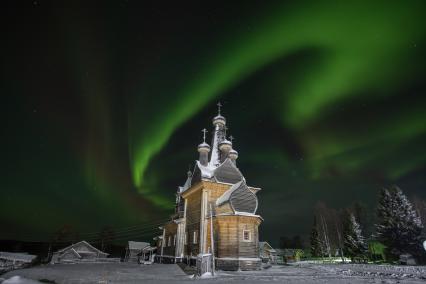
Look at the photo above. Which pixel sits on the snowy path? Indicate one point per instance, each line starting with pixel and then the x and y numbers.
pixel 163 273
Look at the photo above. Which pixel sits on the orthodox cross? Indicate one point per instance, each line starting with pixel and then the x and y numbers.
pixel 231 138
pixel 204 135
pixel 219 105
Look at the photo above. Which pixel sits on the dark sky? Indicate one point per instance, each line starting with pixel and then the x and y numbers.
pixel 103 103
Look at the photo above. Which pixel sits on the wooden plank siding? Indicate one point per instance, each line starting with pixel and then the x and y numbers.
pixel 228 236
pixel 228 228
pixel 193 213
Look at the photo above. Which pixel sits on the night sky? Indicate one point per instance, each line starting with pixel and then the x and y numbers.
pixel 103 105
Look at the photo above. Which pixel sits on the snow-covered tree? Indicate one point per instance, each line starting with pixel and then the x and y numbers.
pixel 399 227
pixel 354 242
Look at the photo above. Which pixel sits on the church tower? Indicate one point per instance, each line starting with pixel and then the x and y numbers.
pixel 215 195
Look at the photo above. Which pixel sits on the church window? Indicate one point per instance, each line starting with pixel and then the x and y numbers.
pixel 174 240
pixel 246 235
pixel 169 241
pixel 186 238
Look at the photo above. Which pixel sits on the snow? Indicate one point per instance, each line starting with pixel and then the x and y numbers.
pixel 165 273
pixel 19 280
pixel 206 275
pixel 24 257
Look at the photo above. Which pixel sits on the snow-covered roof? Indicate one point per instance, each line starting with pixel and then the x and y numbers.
pixel 227 172
pixel 225 197
pixel 137 245
pixel 186 185
pixel 75 252
pixel 242 200
pixel 24 257
pixel 206 171
pixel 79 243
pixel 204 145
pixel 225 141
pixel 269 247
pixel 149 248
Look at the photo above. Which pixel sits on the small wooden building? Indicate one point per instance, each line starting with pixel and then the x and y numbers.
pixel 13 260
pixel 158 241
pixel 289 255
pixel 147 255
pixel 133 249
pixel 78 252
pixel 267 253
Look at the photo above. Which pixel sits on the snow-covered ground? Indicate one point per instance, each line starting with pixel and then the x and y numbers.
pixel 165 273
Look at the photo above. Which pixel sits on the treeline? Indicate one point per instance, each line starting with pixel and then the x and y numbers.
pixel 398 230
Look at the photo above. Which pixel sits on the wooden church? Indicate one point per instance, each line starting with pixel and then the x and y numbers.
pixel 215 198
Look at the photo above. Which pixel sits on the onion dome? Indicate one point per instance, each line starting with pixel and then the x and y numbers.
pixel 233 154
pixel 225 145
pixel 204 147
pixel 219 119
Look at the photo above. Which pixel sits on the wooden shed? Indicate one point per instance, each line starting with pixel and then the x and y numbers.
pixel 78 252
pixel 13 260
pixel 133 249
pixel 267 253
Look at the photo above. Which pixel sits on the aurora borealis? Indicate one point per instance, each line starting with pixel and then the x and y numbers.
pixel 103 106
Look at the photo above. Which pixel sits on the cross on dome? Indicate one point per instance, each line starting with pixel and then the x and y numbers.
pixel 219 105
pixel 204 134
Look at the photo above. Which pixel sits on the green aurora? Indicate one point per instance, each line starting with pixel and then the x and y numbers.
pixel 104 111
pixel 362 46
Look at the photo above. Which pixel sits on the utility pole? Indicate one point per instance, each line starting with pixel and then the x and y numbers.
pixel 211 238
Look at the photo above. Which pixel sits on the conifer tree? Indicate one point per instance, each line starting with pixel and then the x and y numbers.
pixel 399 227
pixel 354 242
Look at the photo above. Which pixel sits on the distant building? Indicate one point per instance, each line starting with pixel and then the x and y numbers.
pixel 158 240
pixel 288 255
pixel 133 249
pixel 79 252
pixel 12 260
pixel 147 254
pixel 267 253
pixel 215 192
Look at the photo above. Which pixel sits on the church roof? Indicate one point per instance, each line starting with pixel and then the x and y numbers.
pixel 217 168
pixel 241 199
pixel 187 183
pixel 225 197
pixel 225 172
